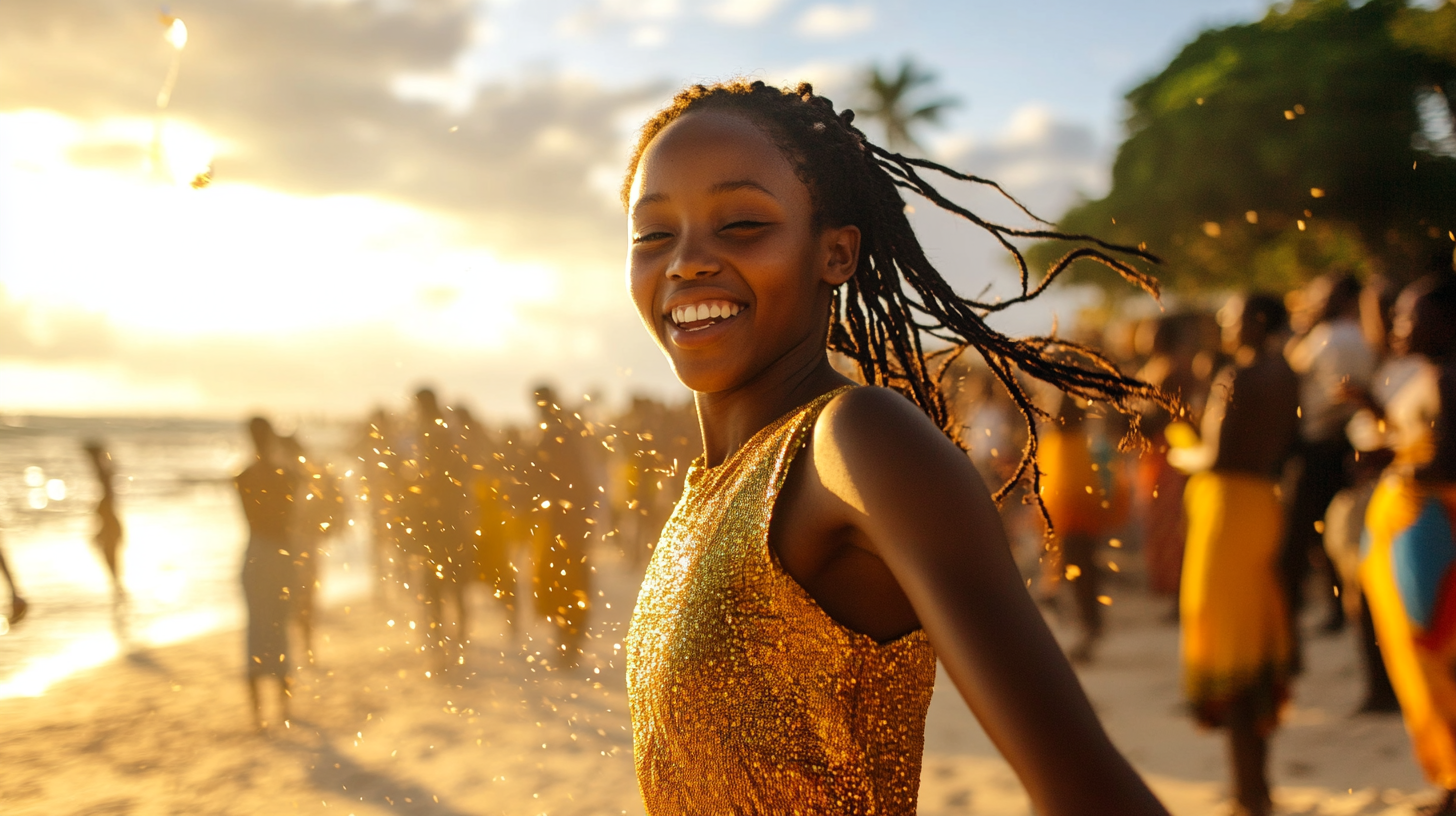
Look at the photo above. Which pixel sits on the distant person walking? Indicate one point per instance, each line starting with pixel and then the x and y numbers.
pixel 1235 639
pixel 1330 357
pixel 109 533
pixel 441 524
pixel 267 492
pixel 561 579
pixel 1078 492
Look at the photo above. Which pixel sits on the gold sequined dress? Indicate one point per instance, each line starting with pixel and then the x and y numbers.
pixel 746 697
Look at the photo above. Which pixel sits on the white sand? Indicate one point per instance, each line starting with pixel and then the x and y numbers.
pixel 166 731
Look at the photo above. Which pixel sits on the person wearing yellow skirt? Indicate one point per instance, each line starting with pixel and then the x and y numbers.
pixel 1406 568
pixel 1235 638
pixel 1083 502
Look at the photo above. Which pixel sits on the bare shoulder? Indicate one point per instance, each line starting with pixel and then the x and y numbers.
pixel 873 442
pixel 875 415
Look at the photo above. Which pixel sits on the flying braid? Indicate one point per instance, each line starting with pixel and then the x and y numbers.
pixel 896 297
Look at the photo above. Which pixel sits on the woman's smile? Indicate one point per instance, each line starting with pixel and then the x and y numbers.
pixel 699 322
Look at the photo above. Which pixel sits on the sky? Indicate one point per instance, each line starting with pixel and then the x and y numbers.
pixel 408 192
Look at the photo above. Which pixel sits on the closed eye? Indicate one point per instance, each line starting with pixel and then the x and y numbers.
pixel 642 238
pixel 746 225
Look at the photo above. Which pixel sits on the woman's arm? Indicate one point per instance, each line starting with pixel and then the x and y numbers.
pixel 924 510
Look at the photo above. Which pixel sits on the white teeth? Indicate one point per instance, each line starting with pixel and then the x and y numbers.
pixel 704 311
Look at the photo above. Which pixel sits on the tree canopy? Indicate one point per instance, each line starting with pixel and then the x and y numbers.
pixel 888 101
pixel 1318 137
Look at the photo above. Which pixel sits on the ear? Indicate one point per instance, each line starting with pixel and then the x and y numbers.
pixel 840 246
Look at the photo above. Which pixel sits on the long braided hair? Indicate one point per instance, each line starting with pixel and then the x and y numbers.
pixel 896 298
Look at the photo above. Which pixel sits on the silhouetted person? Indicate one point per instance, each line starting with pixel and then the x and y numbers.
pixel 269 574
pixel 1171 367
pixel 18 606
pixel 1330 356
pixel 1345 518
pixel 1078 493
pixel 109 533
pixel 382 487
pixel 440 524
pixel 1235 646
pixel 318 506
pixel 561 579
pixel 490 513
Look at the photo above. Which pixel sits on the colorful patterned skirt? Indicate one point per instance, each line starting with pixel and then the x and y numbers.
pixel 1407 574
pixel 1235 641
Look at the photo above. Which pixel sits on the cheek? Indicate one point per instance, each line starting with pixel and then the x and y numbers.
pixel 640 288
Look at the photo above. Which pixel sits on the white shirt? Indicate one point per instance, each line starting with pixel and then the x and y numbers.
pixel 1366 432
pixel 1331 353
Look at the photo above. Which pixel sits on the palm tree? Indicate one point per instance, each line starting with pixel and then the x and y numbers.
pixel 888 100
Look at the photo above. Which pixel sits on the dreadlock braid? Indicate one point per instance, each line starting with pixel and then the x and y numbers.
pixel 896 297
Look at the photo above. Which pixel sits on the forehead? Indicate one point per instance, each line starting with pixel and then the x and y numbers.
pixel 706 148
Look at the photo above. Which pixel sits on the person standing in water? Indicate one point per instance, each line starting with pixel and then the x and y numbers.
pixel 109 532
pixel 267 490
pixel 832 540
pixel 1235 644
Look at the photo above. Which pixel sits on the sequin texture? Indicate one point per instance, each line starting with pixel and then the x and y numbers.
pixel 746 697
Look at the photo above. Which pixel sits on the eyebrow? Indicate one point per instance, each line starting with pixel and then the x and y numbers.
pixel 740 184
pixel 720 187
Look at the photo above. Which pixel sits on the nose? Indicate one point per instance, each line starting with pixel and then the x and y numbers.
pixel 693 259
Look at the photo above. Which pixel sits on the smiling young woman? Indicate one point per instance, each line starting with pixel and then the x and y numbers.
pixel 833 540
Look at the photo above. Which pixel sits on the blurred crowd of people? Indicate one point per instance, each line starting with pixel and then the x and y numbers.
pixel 1313 436
pixel 1252 503
pixel 452 503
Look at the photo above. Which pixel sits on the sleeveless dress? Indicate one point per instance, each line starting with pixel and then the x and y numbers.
pixel 745 696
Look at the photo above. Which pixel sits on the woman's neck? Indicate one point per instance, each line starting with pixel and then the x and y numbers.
pixel 728 419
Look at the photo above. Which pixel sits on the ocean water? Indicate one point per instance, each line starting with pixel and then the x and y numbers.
pixel 182 556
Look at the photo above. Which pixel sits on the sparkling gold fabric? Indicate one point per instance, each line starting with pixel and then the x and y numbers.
pixel 746 697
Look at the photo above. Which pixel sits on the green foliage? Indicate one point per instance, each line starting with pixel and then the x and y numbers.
pixel 1267 153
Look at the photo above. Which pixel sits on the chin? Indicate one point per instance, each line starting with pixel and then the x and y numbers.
pixel 707 377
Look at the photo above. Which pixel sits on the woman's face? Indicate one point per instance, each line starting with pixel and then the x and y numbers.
pixel 724 264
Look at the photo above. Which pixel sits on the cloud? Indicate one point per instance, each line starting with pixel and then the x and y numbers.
pixel 827 21
pixel 742 12
pixel 326 99
pixel 1046 162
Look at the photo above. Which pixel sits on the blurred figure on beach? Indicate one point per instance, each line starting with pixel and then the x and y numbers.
pixel 18 606
pixel 559 477
pixel 380 485
pixel 1407 571
pixel 267 491
pixel 318 507
pixel 109 532
pixel 440 526
pixel 1345 517
pixel 490 513
pixel 1078 489
pixel 653 443
pixel 1235 638
pixel 1330 356
pixel 1173 364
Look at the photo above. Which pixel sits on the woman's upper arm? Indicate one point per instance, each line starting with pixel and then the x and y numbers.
pixel 928 515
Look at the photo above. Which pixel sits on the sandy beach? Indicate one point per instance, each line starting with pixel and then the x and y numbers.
pixel 166 731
